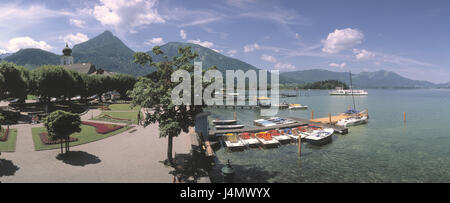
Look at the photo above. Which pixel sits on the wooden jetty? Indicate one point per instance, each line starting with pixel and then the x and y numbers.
pixel 334 119
pixel 235 106
pixel 299 122
pixel 338 129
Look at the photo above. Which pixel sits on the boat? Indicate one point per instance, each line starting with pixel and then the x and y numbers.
pixel 279 137
pixel 297 106
pixel 226 127
pixel 263 122
pixel 249 139
pixel 266 139
pixel 352 121
pixel 319 137
pixel 233 142
pixel 224 122
pixel 342 92
pixel 288 95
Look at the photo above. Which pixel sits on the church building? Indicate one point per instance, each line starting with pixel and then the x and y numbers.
pixel 67 62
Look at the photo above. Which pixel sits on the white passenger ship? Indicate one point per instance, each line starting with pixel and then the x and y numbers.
pixel 341 91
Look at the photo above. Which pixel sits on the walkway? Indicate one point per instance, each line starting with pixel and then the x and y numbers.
pixel 126 157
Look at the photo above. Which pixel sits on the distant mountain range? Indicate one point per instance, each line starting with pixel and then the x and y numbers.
pixel 108 52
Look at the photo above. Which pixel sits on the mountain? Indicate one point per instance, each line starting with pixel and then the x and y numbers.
pixel 378 79
pixel 33 58
pixel 2 56
pixel 208 56
pixel 109 53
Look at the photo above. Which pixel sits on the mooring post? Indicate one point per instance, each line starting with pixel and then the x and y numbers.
pixel 235 115
pixel 329 117
pixel 404 116
pixel 312 115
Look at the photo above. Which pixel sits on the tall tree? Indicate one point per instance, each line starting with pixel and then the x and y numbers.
pixel 154 93
pixel 52 81
pixel 15 82
pixel 123 83
pixel 60 125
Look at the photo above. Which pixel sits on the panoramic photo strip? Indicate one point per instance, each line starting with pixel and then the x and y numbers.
pixel 229 91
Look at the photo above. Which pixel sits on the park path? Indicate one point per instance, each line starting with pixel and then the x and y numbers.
pixel 126 157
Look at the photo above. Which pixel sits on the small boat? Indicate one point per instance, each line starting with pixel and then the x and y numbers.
pixel 297 106
pixel 224 127
pixel 319 137
pixel 279 137
pixel 266 139
pixel 249 139
pixel 352 121
pixel 224 122
pixel 264 123
pixel 232 141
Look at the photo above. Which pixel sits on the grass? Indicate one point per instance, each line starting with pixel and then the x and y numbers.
pixel 31 97
pixel 87 135
pixel 10 144
pixel 132 115
pixel 123 107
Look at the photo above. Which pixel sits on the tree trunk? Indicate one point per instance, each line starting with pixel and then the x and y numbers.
pixel 61 146
pixel 169 149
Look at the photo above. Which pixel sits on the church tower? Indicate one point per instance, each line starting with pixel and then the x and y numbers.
pixel 67 58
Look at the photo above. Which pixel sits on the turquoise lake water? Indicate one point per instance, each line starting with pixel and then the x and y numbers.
pixel 384 150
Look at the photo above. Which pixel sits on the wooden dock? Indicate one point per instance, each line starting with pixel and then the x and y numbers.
pixel 334 119
pixel 299 122
pixel 338 129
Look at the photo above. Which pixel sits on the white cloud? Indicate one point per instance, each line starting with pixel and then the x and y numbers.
pixel 18 43
pixel 362 54
pixel 155 41
pixel 268 58
pixel 342 65
pixel 183 34
pixel 204 43
pixel 341 40
pixel 232 52
pixel 284 67
pixel 73 39
pixel 127 14
pixel 77 23
pixel 297 36
pixel 251 47
pixel 2 51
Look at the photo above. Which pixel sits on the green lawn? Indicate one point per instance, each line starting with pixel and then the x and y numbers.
pixel 132 115
pixel 31 97
pixel 87 134
pixel 10 144
pixel 123 107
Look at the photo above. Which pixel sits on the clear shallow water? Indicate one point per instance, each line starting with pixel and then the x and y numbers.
pixel 384 150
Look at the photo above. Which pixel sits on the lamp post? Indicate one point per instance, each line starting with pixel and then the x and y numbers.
pixel 228 173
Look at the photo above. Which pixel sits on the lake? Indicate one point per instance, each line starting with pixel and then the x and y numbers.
pixel 385 150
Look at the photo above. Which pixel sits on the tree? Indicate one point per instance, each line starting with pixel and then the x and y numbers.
pixel 14 81
pixel 123 83
pixel 154 92
pixel 52 81
pixel 60 125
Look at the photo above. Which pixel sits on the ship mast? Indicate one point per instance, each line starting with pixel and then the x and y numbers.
pixel 351 90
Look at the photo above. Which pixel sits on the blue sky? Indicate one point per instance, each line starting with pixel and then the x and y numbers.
pixel 411 38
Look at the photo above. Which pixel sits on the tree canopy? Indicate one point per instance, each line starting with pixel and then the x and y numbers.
pixel 60 125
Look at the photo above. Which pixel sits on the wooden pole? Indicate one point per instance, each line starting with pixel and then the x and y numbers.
pixel 235 115
pixel 312 115
pixel 296 133
pixel 404 116
pixel 329 117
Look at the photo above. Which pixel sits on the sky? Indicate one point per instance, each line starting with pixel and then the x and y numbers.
pixel 411 38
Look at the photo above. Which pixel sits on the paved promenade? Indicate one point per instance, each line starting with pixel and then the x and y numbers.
pixel 125 157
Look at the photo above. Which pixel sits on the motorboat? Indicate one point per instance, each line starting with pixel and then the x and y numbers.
pixel 279 137
pixel 224 122
pixel 352 121
pixel 319 137
pixel 227 127
pixel 297 106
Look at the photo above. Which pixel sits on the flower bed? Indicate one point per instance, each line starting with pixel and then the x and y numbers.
pixel 102 128
pixel 4 138
pixel 47 141
pixel 113 118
